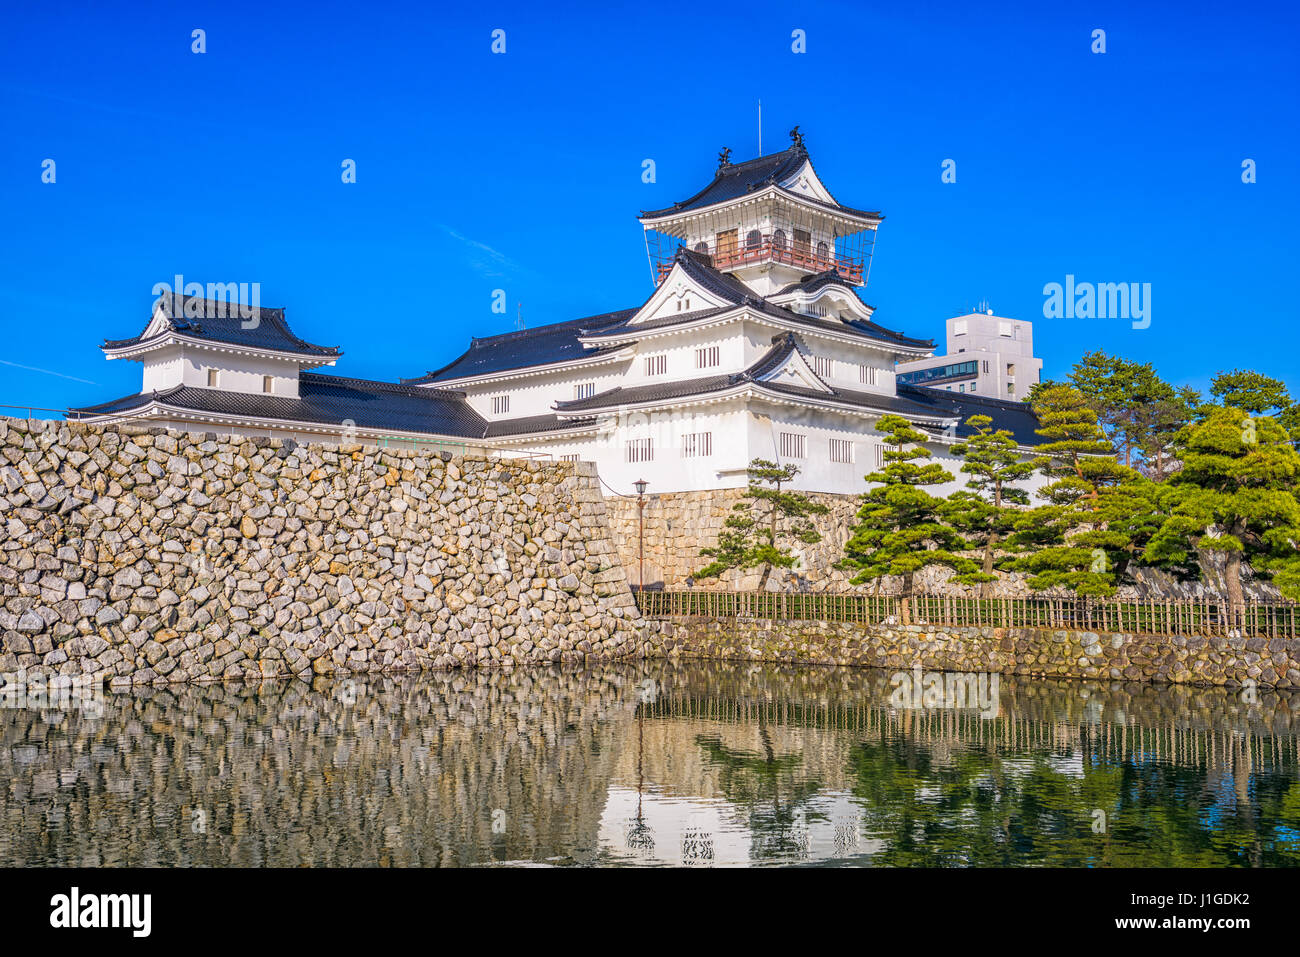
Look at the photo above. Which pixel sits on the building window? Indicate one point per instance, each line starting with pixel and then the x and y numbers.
pixel 753 239
pixel 867 375
pixel 697 445
pixel 656 365
pixel 707 358
pixel 842 451
pixel 986 364
pixel 500 404
pixel 212 378
pixel 584 390
pixel 793 445
pixel 962 387
pixel 569 458
pixel 823 253
pixel 1011 368
pixel 778 239
pixel 824 366
pixel 268 384
pixel 880 455
pixel 1011 388
pixel 641 450
pixel 702 247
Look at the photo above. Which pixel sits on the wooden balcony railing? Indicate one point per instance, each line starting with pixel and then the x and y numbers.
pixel 1196 617
pixel 765 249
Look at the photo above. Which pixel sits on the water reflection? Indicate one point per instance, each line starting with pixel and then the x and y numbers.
pixel 691 764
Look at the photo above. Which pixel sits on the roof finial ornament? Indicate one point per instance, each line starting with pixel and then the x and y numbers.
pixel 724 157
pixel 796 139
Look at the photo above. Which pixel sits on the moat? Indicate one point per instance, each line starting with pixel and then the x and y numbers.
pixel 653 764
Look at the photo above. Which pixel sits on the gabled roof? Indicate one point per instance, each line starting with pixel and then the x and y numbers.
pixel 734 180
pixel 223 322
pixel 699 269
pixel 813 282
pixel 324 399
pixel 524 348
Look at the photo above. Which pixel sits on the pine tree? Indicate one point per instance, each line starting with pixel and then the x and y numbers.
pixel 768 517
pixel 1066 542
pixel 900 526
pixel 1235 494
pixel 992 460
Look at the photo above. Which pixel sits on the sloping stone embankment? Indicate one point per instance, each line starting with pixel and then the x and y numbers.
pixel 142 555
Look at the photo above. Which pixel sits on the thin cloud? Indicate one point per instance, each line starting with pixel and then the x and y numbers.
pixel 19 365
pixel 484 259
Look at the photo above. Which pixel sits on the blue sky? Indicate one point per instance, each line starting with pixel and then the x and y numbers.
pixel 522 171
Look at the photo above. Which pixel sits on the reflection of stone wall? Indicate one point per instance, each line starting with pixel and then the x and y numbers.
pixel 1215 660
pixel 144 555
pixel 339 772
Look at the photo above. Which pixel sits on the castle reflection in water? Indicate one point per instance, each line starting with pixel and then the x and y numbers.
pixel 689 764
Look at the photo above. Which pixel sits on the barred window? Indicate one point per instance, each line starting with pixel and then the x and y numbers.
pixel 500 404
pixel 867 374
pixel 569 458
pixel 212 378
pixel 707 357
pixel 842 451
pixel 697 445
pixel 641 450
pixel 584 390
pixel 824 366
pixel 880 455
pixel 656 365
pixel 793 445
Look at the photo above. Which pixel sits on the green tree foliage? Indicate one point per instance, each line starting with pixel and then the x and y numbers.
pixel 983 514
pixel 1138 411
pixel 1235 494
pixel 1258 394
pixel 901 527
pixel 1067 542
pixel 764 524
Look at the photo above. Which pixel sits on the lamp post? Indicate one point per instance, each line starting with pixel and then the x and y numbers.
pixel 640 485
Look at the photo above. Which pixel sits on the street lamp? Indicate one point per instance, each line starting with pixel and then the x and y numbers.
pixel 640 485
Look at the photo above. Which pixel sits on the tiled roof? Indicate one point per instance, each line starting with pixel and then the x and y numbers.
pixel 726 286
pixel 326 399
pixel 1016 417
pixel 524 348
pixel 223 322
pixel 740 179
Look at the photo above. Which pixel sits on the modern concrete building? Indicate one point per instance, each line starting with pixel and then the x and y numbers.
pixel 986 355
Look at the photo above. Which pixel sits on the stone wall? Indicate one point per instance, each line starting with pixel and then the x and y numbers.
pixel 144 555
pixel 1179 659
pixel 679 524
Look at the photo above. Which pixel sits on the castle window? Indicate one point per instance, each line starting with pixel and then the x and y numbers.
pixel 802 243
pixel 500 404
pixel 793 445
pixel 641 450
pixel 702 247
pixel 268 384
pixel 707 357
pixel 584 390
pixel 656 365
pixel 880 455
pixel 778 239
pixel 753 239
pixel 824 366
pixel 569 458
pixel 212 378
pixel 867 374
pixel 697 445
pixel 842 451
pixel 823 252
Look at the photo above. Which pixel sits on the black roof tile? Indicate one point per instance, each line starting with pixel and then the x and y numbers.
pixel 222 322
